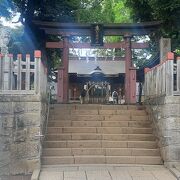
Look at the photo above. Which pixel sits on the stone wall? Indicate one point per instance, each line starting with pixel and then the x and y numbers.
pixel 165 113
pixel 21 118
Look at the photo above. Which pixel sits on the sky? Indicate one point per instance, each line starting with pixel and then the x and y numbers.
pixel 10 23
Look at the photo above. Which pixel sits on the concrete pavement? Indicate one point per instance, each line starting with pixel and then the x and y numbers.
pixel 95 172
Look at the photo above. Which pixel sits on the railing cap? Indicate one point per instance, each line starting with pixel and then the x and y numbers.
pixel 170 56
pixel 37 54
pixel 10 55
pixel 19 56
pixel 146 70
pixel 178 58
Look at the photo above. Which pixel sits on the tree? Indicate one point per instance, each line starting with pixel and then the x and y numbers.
pixel 159 10
pixel 103 11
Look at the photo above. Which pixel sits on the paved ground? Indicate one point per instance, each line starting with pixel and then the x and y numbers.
pixel 107 173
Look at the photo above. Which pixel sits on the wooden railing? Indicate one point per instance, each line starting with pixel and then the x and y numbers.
pixel 163 79
pixel 22 76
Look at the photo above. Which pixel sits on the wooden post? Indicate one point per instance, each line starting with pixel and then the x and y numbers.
pixel 60 92
pixel 132 73
pixel 74 93
pixel 65 71
pixel 130 84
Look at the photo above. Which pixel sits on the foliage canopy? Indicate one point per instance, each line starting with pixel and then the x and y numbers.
pixel 159 10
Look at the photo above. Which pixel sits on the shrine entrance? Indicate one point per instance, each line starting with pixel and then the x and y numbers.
pixel 97 32
pixel 97 92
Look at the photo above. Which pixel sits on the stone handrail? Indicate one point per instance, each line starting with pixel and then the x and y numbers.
pixel 163 79
pixel 22 76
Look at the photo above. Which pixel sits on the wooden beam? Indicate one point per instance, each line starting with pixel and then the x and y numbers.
pixel 76 29
pixel 87 32
pixel 135 45
pixel 86 26
pixel 54 45
pixel 88 45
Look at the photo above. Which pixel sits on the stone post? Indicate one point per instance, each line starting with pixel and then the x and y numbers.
pixel 19 59
pixel 37 81
pixel 165 47
pixel 1 71
pixel 169 74
pixel 11 66
pixel 178 74
pixel 27 85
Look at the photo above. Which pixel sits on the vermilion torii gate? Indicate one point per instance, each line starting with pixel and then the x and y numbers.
pixel 71 29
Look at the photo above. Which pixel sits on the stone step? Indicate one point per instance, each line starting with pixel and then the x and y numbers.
pixel 100 151
pixel 126 117
pixel 98 112
pixel 102 130
pixel 67 123
pixel 145 160
pixel 95 136
pixel 94 106
pixel 48 160
pixel 100 144
pixel 99 134
pixel 80 117
pixel 123 112
pixel 77 117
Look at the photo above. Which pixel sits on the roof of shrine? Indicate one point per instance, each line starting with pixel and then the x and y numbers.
pixel 85 68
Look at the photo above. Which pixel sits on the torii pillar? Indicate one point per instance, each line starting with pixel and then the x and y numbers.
pixel 130 73
pixel 63 77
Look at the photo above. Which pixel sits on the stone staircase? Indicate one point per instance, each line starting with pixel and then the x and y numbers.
pixel 99 134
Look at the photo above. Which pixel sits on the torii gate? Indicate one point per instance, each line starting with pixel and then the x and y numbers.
pixel 71 29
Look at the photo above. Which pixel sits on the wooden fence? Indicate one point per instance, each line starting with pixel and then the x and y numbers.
pixel 163 79
pixel 23 75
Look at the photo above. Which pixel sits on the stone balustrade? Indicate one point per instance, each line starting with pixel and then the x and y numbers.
pixel 162 100
pixel 163 79
pixel 23 113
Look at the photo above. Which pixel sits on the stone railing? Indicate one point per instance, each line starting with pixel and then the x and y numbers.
pixel 22 76
pixel 23 113
pixel 163 79
pixel 162 101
